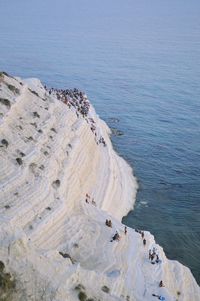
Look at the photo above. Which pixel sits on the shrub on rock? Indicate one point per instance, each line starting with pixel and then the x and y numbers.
pixel 5 102
pixel 4 142
pixel 19 161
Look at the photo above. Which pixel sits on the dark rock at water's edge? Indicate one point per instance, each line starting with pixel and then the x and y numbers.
pixel 116 132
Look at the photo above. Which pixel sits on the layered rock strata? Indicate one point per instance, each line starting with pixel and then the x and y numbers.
pixel 60 180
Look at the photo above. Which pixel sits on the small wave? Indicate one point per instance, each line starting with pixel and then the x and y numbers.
pixel 144 203
pixel 113 120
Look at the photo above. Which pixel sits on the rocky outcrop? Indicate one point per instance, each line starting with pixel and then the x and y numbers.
pixel 59 184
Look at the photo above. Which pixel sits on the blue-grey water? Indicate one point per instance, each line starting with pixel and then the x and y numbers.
pixel 138 61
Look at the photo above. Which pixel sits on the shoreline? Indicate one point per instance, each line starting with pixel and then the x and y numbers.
pixel 62 180
pixel 126 171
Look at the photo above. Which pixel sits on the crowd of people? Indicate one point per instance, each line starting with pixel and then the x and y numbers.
pixel 79 101
pixel 153 256
pixel 73 98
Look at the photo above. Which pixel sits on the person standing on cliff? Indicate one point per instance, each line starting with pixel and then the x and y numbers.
pixel 149 254
pixel 125 230
pixel 161 284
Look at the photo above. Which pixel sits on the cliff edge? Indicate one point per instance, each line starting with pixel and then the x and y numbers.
pixel 60 181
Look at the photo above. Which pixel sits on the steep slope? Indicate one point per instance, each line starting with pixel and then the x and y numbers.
pixel 60 181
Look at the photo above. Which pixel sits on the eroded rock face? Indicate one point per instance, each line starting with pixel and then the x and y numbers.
pixel 60 181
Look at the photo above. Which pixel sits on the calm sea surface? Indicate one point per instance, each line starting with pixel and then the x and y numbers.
pixel 138 61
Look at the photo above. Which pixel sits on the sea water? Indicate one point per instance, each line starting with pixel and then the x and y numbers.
pixel 139 62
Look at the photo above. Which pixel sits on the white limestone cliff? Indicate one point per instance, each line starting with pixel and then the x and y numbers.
pixel 52 241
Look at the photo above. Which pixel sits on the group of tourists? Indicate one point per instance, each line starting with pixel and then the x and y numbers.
pixel 88 199
pixel 73 98
pixel 142 235
pixel 78 100
pixel 108 223
pixel 102 140
pixel 116 236
pixel 153 256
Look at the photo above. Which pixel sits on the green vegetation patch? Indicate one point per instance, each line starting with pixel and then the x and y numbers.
pixel 56 183
pixel 7 284
pixel 4 142
pixel 105 289
pixel 2 73
pixel 5 102
pixel 35 114
pixel 13 88
pixel 19 161
pixel 82 296
pixel 53 130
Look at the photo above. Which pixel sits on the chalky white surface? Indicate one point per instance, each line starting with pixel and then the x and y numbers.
pixel 32 235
